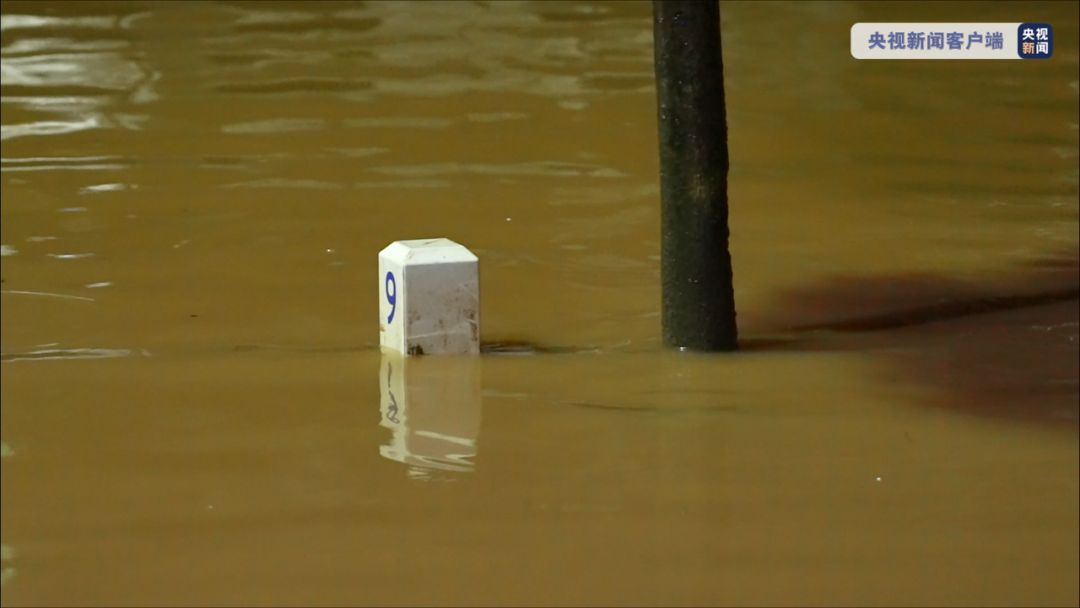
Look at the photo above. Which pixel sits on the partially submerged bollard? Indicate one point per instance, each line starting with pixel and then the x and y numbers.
pixel 698 307
pixel 429 298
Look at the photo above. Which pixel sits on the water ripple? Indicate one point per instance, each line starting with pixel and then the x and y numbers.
pixel 399 122
pixel 275 125
pixel 278 183
pixel 544 169
pixel 50 127
pixel 53 354
pixel 295 85
pixel 58 163
pixel 45 294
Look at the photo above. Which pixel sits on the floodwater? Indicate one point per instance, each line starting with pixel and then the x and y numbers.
pixel 195 410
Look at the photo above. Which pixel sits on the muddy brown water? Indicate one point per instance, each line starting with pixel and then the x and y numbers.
pixel 194 410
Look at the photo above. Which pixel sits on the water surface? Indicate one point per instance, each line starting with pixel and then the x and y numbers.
pixel 195 411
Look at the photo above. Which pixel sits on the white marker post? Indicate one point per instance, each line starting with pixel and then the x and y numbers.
pixel 429 298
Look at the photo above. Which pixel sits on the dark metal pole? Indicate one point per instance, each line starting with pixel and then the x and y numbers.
pixel 698 298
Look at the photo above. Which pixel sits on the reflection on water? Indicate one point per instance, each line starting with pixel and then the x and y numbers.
pixel 211 182
pixel 87 80
pixel 1007 347
pixel 7 558
pixel 432 407
pixel 7 552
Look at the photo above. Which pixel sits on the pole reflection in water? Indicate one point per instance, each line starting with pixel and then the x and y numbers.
pixel 432 407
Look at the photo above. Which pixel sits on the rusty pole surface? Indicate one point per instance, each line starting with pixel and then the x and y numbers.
pixel 698 302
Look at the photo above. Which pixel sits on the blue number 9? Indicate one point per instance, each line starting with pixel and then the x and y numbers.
pixel 391 295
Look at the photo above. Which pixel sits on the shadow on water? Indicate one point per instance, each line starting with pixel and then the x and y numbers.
pixel 1005 347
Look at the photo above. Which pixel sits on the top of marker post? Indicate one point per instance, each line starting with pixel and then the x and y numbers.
pixel 427 251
